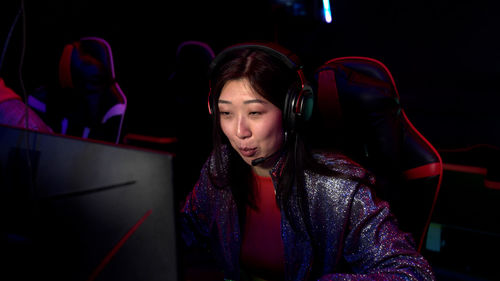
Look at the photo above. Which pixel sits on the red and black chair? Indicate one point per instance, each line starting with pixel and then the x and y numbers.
pixel 360 112
pixel 88 102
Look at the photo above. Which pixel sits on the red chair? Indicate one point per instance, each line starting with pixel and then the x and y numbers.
pixel 360 112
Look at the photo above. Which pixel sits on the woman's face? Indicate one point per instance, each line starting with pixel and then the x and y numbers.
pixel 252 124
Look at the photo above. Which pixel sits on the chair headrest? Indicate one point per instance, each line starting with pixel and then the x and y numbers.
pixel 87 64
pixel 194 57
pixel 359 95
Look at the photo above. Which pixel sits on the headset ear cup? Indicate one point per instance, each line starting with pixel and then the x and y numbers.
pixel 298 107
pixel 307 104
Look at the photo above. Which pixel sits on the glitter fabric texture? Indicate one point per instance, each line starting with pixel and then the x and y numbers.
pixel 353 236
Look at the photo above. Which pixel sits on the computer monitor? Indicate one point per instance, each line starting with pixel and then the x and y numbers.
pixel 76 209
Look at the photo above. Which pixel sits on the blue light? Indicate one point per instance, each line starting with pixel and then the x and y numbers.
pixel 326 11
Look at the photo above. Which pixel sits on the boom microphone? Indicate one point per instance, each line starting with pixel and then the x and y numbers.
pixel 260 160
pixel 257 161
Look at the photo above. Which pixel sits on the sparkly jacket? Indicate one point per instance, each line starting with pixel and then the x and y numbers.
pixel 350 228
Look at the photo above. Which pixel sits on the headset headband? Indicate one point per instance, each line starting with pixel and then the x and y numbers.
pixel 289 58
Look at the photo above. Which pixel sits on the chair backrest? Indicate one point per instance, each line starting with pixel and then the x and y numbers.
pixel 87 65
pixel 188 88
pixel 360 112
pixel 168 129
pixel 88 101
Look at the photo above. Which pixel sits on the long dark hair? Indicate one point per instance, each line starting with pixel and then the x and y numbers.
pixel 272 78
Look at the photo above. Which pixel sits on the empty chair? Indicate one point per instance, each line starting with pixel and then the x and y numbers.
pixel 178 118
pixel 188 88
pixel 88 102
pixel 360 112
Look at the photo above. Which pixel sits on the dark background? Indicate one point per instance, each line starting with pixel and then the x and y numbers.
pixel 443 54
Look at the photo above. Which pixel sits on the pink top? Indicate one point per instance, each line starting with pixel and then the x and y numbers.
pixel 262 248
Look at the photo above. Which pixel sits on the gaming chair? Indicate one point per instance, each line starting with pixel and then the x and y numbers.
pixel 88 102
pixel 360 112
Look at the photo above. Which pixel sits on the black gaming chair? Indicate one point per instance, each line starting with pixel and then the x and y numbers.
pixel 359 112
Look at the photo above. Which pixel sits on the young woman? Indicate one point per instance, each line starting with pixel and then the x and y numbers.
pixel 266 206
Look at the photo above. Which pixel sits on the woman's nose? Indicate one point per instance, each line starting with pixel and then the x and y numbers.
pixel 243 130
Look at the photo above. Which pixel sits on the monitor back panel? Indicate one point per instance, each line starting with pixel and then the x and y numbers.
pixel 74 209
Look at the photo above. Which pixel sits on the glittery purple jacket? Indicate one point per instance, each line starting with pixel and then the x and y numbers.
pixel 349 227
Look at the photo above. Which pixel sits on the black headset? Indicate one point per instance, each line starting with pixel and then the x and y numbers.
pixel 299 104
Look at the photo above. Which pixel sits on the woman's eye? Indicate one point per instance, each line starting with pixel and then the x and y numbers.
pixel 255 113
pixel 224 113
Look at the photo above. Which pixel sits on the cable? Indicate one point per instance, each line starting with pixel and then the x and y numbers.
pixel 25 95
pixel 21 62
pixel 4 50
